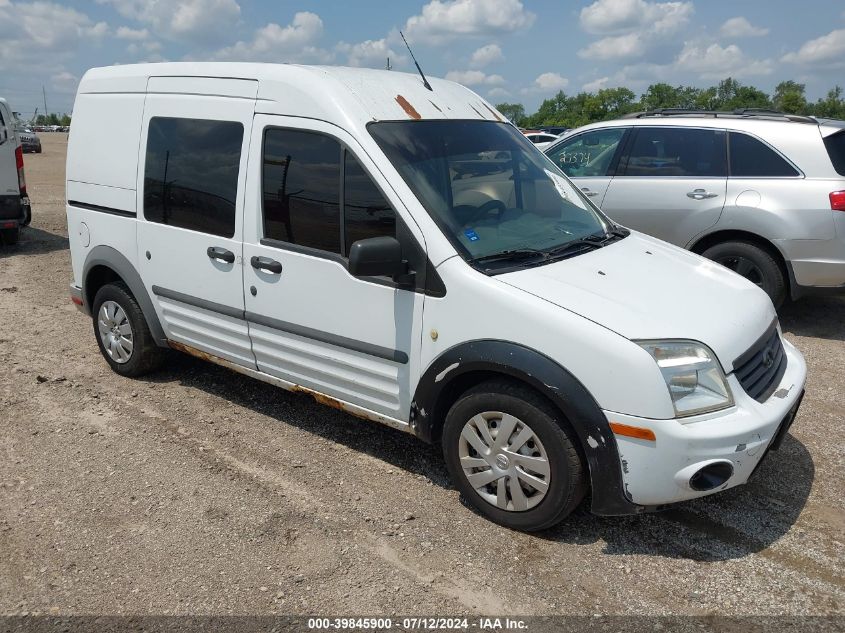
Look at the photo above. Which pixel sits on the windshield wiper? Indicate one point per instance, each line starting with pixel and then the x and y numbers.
pixel 516 254
pixel 589 242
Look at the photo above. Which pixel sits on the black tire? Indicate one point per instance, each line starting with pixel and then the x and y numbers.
pixel 755 264
pixel 145 355
pixel 28 218
pixel 38 151
pixel 567 482
pixel 10 237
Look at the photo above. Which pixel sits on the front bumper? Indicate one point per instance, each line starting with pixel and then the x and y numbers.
pixel 658 472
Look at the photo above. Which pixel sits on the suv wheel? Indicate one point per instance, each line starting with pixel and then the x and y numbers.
pixel 10 237
pixel 753 263
pixel 511 457
pixel 122 332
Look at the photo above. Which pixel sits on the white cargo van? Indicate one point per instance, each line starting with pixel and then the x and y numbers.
pixel 404 254
pixel 14 203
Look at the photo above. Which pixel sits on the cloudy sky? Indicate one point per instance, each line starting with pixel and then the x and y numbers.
pixel 508 50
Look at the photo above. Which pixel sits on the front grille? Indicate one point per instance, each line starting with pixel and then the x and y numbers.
pixel 760 369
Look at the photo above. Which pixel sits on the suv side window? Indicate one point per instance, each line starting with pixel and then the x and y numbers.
pixel 751 158
pixel 678 151
pixel 588 154
pixel 317 195
pixel 191 174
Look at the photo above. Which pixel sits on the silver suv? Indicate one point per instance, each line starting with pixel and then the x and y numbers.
pixel 760 192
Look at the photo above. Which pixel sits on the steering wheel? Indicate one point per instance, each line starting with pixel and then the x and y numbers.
pixel 486 208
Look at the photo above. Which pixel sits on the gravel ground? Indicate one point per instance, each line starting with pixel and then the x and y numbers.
pixel 197 490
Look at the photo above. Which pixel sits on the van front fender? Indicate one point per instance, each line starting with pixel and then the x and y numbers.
pixel 566 393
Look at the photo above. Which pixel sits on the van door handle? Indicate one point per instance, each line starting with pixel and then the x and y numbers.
pixel 221 254
pixel 701 194
pixel 265 263
pixel 589 192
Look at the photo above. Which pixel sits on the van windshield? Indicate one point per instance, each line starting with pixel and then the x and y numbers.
pixel 494 195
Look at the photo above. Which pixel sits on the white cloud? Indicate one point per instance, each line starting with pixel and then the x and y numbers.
pixel 607 17
pixel 38 37
pixel 614 47
pixel 596 84
pixel 136 35
pixel 827 49
pixel 546 83
pixel 296 42
pixel 201 22
pixel 370 53
pixel 498 93
pixel 442 20
pixel 716 62
pixel 631 27
pixel 475 78
pixel 486 55
pixel 741 27
pixel 64 81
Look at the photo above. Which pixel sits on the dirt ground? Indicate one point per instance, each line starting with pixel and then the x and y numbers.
pixel 197 490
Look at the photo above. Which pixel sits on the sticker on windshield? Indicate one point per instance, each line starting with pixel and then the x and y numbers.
pixel 472 236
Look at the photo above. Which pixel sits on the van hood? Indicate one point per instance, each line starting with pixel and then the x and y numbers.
pixel 643 288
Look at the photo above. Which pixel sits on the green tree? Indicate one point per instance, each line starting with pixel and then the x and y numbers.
pixel 514 111
pixel 789 97
pixel 832 106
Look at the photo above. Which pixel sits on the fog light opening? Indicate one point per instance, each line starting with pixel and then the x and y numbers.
pixel 711 476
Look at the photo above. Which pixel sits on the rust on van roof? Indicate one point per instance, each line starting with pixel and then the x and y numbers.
pixel 407 107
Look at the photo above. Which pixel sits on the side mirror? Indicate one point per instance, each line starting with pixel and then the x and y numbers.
pixel 376 256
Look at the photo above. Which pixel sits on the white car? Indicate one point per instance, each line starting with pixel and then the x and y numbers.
pixel 541 139
pixel 14 202
pixel 345 233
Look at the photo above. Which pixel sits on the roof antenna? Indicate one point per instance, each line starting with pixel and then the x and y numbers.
pixel 425 81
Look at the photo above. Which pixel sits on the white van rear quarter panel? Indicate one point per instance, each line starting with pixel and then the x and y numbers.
pixel 103 143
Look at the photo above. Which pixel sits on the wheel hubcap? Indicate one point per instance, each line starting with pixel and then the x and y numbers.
pixel 504 461
pixel 115 332
pixel 743 266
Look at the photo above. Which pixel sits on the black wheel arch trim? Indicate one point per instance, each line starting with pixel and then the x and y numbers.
pixel 115 260
pixel 566 392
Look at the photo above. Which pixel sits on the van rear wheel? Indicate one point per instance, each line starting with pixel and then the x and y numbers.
pixel 122 333
pixel 755 264
pixel 512 457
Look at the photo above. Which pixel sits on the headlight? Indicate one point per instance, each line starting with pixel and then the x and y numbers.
pixel 693 376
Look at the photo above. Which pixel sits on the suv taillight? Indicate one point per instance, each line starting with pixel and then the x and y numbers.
pixel 837 200
pixel 21 178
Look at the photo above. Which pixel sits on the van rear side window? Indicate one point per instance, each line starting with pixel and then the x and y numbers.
pixel 191 174
pixel 835 144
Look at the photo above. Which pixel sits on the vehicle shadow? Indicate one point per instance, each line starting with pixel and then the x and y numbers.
pixel 724 526
pixel 400 450
pixel 819 317
pixel 34 242
pixel 728 525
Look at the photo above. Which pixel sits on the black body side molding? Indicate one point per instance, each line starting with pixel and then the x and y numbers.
pixel 111 258
pixel 586 419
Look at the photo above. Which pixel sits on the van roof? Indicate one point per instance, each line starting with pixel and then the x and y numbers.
pixel 331 93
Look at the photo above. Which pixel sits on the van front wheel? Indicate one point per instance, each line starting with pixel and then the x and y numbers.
pixel 511 456
pixel 122 333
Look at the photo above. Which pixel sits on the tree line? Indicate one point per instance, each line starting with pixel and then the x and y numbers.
pixel 62 120
pixel 729 94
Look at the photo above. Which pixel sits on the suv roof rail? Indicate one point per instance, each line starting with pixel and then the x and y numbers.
pixel 763 113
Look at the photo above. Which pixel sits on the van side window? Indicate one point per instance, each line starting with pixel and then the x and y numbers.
pixel 677 151
pixel 365 211
pixel 191 174
pixel 752 159
pixel 301 189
